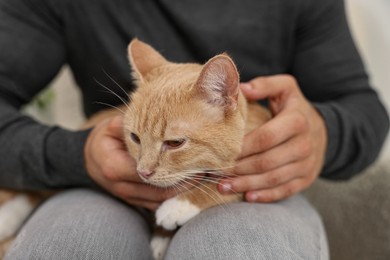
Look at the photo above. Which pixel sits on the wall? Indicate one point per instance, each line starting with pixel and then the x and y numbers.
pixel 370 21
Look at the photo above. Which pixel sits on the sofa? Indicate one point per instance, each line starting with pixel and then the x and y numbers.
pixel 356 213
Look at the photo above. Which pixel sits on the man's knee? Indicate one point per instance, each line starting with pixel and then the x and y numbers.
pixel 251 231
pixel 82 224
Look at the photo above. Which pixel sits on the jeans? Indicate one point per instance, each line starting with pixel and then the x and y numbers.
pixel 86 224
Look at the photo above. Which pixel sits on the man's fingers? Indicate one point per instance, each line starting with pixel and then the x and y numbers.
pixel 283 156
pixel 268 87
pixel 115 127
pixel 295 149
pixel 150 205
pixel 281 192
pixel 268 180
pixel 121 167
pixel 274 132
pixel 142 191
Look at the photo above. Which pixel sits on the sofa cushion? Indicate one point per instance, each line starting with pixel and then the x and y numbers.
pixel 356 213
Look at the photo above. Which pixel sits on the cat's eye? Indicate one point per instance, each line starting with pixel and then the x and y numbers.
pixel 176 143
pixel 135 138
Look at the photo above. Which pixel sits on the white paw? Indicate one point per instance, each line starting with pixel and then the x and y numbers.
pixel 12 215
pixel 159 246
pixel 175 212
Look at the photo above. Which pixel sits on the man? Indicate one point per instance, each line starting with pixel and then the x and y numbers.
pixel 323 123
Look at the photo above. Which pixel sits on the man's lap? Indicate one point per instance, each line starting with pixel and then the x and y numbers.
pixel 85 224
pixel 285 230
pixel 82 224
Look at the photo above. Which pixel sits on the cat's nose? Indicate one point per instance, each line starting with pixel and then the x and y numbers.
pixel 146 173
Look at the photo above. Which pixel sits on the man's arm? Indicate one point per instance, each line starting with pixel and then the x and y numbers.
pixel 330 73
pixel 33 155
pixel 286 154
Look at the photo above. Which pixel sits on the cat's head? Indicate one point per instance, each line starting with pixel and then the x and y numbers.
pixel 183 119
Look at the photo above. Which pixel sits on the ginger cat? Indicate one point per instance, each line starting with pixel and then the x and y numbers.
pixel 184 123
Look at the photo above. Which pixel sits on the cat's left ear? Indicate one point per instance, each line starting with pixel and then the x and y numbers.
pixel 219 82
pixel 143 58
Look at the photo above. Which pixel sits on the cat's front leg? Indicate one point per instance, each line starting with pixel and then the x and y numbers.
pixel 175 212
pixel 178 210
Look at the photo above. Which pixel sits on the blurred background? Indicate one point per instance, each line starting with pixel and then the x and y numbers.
pixel 369 22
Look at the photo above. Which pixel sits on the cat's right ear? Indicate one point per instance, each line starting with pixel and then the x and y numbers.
pixel 143 58
pixel 219 82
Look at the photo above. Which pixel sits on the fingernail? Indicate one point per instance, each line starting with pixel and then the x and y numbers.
pixel 225 187
pixel 252 197
pixel 246 86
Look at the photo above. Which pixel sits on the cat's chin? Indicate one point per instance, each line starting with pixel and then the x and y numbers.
pixel 176 182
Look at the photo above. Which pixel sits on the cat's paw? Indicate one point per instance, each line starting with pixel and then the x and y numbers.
pixel 175 212
pixel 12 215
pixel 159 245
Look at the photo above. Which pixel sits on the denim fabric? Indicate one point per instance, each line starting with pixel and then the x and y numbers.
pixel 285 230
pixel 84 224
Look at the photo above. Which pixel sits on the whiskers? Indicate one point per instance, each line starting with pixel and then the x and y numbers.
pixel 116 83
pixel 112 106
pixel 223 172
pixel 203 180
pixel 108 90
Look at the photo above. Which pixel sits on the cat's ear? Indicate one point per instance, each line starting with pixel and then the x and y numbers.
pixel 143 58
pixel 219 82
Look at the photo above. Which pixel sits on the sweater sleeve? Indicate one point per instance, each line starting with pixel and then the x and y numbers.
pixel 331 75
pixel 32 155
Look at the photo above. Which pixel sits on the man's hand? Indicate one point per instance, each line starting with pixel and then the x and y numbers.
pixel 109 165
pixel 285 155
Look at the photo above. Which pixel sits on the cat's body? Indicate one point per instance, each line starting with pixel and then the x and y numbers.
pixel 185 124
pixel 15 207
pixel 184 121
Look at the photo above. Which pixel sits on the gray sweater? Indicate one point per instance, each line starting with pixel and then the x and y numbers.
pixel 306 38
